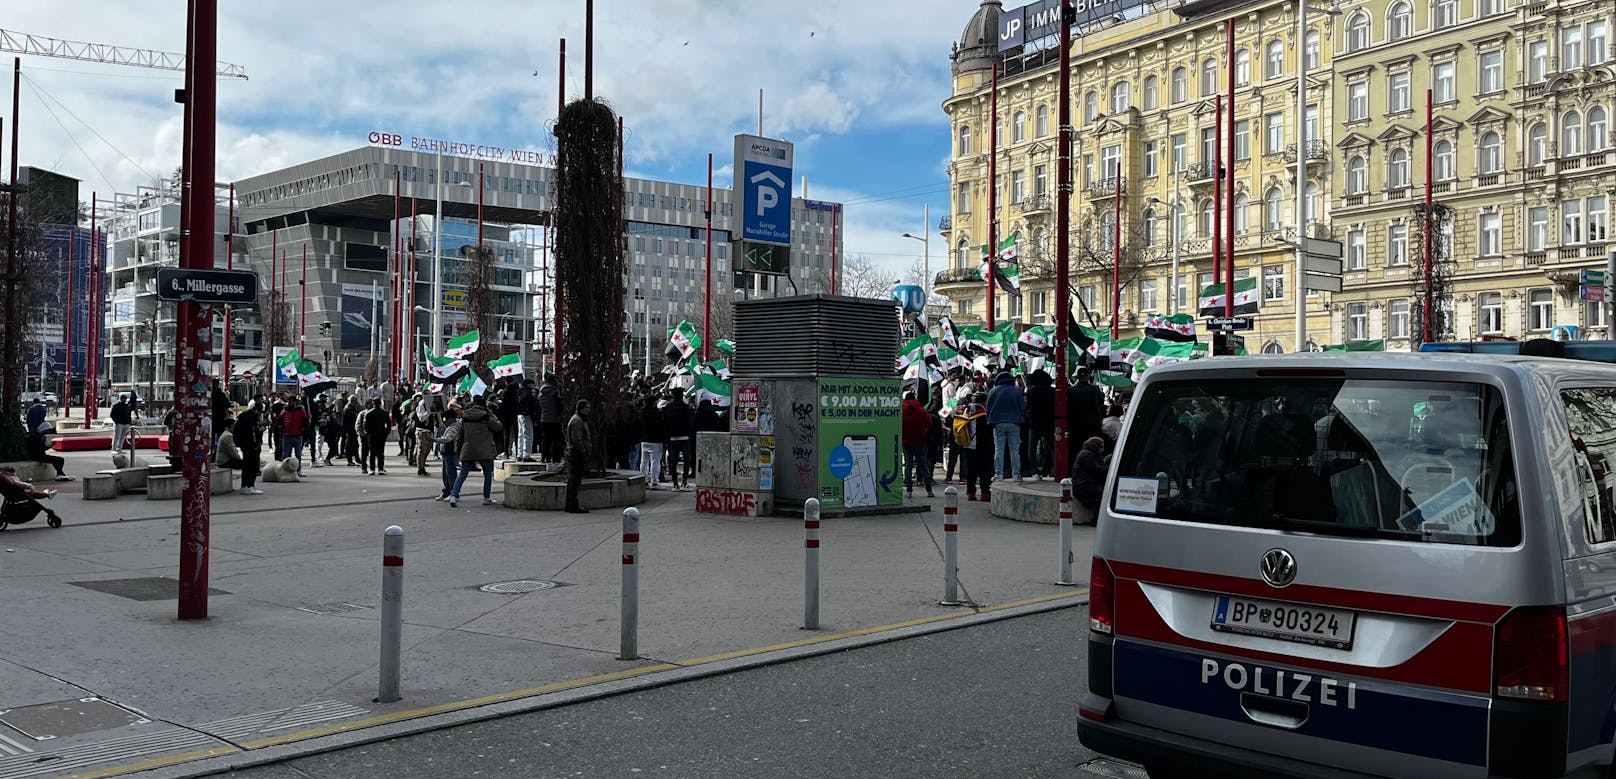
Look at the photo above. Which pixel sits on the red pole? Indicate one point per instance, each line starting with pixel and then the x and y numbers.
pixel 274 294
pixel 1228 193
pixel 835 216
pixel 707 303
pixel 414 272
pixel 561 105
pixel 191 395
pixel 1217 191
pixel 8 387
pixel 477 299
pixel 229 264
pixel 70 305
pixel 544 293
pixel 1116 247
pixel 993 191
pixel 1425 325
pixel 1063 225
pixel 92 326
pixel 395 344
pixel 303 305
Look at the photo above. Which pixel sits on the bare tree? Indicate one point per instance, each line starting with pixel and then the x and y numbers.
pixel 859 277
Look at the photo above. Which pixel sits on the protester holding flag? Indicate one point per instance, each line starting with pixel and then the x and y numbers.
pixel 978 442
pixel 916 427
pixel 295 423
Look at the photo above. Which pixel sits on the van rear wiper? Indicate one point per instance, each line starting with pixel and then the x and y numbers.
pixel 1335 528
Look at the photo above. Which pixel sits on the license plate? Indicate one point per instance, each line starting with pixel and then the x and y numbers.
pixel 1284 621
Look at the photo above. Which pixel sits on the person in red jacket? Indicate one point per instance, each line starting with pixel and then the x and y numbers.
pixel 295 424
pixel 916 426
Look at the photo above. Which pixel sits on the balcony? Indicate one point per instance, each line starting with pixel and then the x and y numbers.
pixel 945 224
pixel 1037 204
pixel 1536 257
pixel 1597 159
pixel 957 276
pixel 1400 193
pixel 1568 253
pixel 1442 186
pixel 1106 188
pixel 1489 179
pixel 1570 163
pixel 1531 91
pixel 1199 171
pixel 1353 200
pixel 1317 152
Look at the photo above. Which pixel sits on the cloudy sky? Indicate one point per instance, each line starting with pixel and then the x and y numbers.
pixel 856 84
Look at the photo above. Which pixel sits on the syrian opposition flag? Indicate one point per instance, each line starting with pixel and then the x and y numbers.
pixel 1037 339
pixel 950 336
pixel 709 387
pixel 685 338
pixel 1094 340
pixel 1178 327
pixel 310 379
pixel 1008 249
pixel 509 365
pixel 948 360
pixel 445 368
pixel 726 346
pixel 1152 353
pixel 435 388
pixel 464 346
pixel 1245 298
pixel 287 364
pixel 1125 350
pixel 919 349
pixel 473 384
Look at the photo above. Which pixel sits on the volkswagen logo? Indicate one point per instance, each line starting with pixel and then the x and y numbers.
pixel 1278 568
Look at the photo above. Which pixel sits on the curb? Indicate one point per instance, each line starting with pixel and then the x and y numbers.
pixel 400 724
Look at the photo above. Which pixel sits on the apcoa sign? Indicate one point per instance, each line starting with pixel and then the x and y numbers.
pixel 763 184
pixel 470 149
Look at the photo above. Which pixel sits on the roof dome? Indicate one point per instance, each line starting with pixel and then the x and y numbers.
pixel 978 47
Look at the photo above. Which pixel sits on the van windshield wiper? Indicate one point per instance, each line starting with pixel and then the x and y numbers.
pixel 1335 528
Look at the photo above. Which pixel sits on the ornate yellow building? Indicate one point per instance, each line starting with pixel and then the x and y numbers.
pixel 1143 92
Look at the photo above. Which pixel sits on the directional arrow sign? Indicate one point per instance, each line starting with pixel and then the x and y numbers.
pixel 1322 247
pixel 1315 264
pixel 1313 281
pixel 207 286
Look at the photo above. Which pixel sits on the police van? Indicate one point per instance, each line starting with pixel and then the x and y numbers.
pixel 1360 565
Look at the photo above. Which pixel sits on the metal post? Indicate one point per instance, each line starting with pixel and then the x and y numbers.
pixel 229 264
pixel 13 344
pixel 630 628
pixel 1301 175
pixel 993 192
pixel 950 548
pixel 92 363
pixel 1065 579
pixel 1063 223
pixel 925 234
pixel 303 305
pixel 392 612
pixel 707 298
pixel 1228 184
pixel 1116 246
pixel 1425 321
pixel 437 267
pixel 810 564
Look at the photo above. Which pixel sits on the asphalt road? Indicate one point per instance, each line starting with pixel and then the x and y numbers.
pixel 995 700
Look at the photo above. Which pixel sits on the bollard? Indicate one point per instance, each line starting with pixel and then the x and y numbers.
pixel 392 612
pixel 810 565
pixel 1066 535
pixel 630 649
pixel 950 548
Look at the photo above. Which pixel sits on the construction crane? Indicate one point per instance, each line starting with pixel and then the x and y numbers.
pixel 23 43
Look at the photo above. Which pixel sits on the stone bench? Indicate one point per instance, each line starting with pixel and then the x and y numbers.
pixel 1030 501
pixel 100 486
pixel 222 481
pixel 508 468
pixel 548 492
pixel 166 487
pixel 129 479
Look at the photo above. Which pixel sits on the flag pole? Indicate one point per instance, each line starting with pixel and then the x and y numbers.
pixel 1228 194
pixel 1116 247
pixel 1063 223
pixel 707 299
pixel 993 190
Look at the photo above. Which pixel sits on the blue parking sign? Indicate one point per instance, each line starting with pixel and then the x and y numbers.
pixel 768 203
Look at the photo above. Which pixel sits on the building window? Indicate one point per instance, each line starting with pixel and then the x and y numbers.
pixel 1204 225
pixel 1397 319
pixel 1310 200
pixel 1087 294
pixel 1490 312
pixel 1570 134
pixel 1111 161
pixel 1040 179
pixel 1091 107
pixel 1358 32
pixel 1242 67
pixel 1018 127
pixel 1402 21
pixel 1180 85
pixel 1570 48
pixel 1183 291
pixel 1537 62
pixel 1397 169
pixel 1310 118
pixel 1596 129
pixel 1597 219
pixel 1490 234
pixel 1540 305
pixel 1357 321
pixel 1242 139
pixel 1242 207
pixel 1536 144
pixel 1273 282
pixel 1596 314
pixel 964 139
pixel 1152 100
pixel 1357 250
pixel 1537 228
pixel 1310 49
pixel 1209 78
pixel 1492 72
pixel 1397 245
pixel 1018 186
pixel 1571 222
pixel 1041 121
pixel 1442 83
pixel 1149 293
pixel 1489 7
pixel 1151 151
pixel 1596 43
pixel 1443 14
pixel 1274 60
pixel 1357 102
pixel 1150 221
pixel 1273 133
pixel 1491 157
pixel 1088 169
pixel 1180 147
pixel 1121 97
pixel 1442 159
pixel 1397 92
pixel 962 197
pixel 1273 210
pixel 1357 175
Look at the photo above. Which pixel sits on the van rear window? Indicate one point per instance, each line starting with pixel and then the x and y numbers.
pixel 1415 461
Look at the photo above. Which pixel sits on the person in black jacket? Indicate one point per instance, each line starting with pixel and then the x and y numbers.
pixel 378 424
pixel 123 418
pixel 680 426
pixel 1041 423
pixel 350 429
pixel 246 434
pixel 1088 480
pixel 1085 407
pixel 653 439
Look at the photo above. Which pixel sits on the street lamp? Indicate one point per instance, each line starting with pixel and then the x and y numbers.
pixel 925 239
pixel 1172 232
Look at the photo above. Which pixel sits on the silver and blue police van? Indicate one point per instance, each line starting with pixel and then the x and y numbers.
pixel 1360 565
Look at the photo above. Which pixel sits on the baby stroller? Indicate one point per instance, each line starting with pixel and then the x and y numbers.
pixel 21 501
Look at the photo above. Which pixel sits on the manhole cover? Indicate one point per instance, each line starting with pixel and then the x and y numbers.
pixel 47 721
pixel 519 586
pixel 332 608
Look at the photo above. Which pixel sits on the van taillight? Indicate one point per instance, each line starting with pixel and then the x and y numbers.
pixel 1102 597
pixel 1530 658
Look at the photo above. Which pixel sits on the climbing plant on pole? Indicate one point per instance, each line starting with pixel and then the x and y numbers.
pixel 590 245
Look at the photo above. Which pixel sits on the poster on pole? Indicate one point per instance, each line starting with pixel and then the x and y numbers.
pixel 274 367
pixel 748 400
pixel 860 442
pixel 357 309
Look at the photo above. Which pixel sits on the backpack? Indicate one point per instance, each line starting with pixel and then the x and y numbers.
pixel 962 430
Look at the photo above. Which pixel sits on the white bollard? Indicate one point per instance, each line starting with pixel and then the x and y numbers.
pixel 1066 535
pixel 950 548
pixel 392 612
pixel 810 565
pixel 630 648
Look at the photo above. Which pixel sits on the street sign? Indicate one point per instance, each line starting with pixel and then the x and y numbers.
pixel 1313 263
pixel 763 181
pixel 207 286
pixel 764 257
pixel 1595 278
pixel 1322 247
pixel 1594 294
pixel 1313 281
pixel 1228 323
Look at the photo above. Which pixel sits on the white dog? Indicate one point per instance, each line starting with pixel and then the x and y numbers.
pixel 283 471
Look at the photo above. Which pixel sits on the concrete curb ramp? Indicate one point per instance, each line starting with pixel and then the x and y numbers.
pixel 208 762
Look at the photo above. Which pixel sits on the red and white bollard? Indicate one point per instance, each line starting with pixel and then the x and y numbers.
pixel 951 548
pixel 810 564
pixel 392 612
pixel 1065 579
pixel 630 632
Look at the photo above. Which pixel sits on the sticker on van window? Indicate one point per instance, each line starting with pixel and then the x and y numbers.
pixel 1458 509
pixel 1137 495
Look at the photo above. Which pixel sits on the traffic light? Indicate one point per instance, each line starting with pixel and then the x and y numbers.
pixel 325 329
